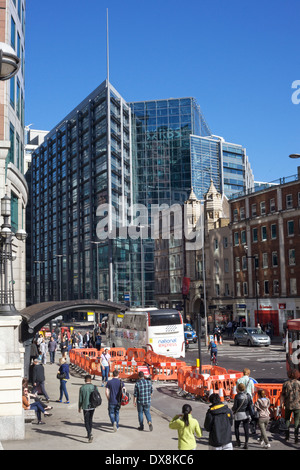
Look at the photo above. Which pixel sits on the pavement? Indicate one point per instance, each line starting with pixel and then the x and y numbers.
pixel 65 430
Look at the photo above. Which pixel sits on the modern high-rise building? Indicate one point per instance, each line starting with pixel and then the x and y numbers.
pixel 81 179
pixel 100 160
pixel 225 163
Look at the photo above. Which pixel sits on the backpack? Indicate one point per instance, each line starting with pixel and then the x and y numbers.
pixel 95 398
pixel 123 397
pixel 213 345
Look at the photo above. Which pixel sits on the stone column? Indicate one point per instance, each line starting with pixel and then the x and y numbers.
pixel 12 424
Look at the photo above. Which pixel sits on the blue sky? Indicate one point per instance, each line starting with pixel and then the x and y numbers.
pixel 239 59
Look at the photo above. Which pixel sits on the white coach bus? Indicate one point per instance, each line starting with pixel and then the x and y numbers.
pixel 159 330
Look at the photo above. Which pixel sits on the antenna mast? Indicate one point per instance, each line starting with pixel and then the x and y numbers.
pixel 107 47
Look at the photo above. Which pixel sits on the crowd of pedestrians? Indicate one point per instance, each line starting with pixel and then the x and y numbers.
pixel 227 426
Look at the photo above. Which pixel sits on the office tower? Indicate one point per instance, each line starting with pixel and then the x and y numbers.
pixel 81 175
pixel 12 99
pixel 225 163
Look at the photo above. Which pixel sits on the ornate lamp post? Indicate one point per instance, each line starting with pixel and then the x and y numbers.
pixel 9 62
pixel 7 298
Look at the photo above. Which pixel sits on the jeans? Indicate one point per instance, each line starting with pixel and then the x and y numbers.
pixel 105 371
pixel 143 409
pixel 88 421
pixel 38 408
pixel 245 423
pixel 114 413
pixel 52 356
pixel 63 390
pixel 288 414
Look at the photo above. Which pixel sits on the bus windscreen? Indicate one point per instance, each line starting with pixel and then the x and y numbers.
pixel 157 319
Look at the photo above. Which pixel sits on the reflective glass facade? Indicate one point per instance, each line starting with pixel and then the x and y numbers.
pixel 225 163
pixel 84 163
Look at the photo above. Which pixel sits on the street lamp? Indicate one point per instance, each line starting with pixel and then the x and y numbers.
pixel 9 62
pixel 255 278
pixel 7 299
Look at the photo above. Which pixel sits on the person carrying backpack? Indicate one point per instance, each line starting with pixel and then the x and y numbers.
pixel 84 403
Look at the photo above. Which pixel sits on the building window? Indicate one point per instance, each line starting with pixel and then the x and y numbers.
pixel 289 201
pixel 265 260
pixel 266 287
pixel 292 258
pixel 244 263
pixel 13 33
pixel 245 288
pixel 238 289
pixel 243 237
pixel 264 233
pixel 272 205
pixel 12 92
pixel 242 213
pixel 237 264
pixel 226 265
pixel 254 235
pixel 262 208
pixel 14 212
pixel 273 231
pixel 225 242
pixel 227 292
pixel 274 259
pixel 275 287
pixel 236 238
pixel 235 215
pixel 253 210
pixel 290 228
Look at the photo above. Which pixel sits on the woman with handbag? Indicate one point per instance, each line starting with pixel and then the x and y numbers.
pixel 241 413
pixel 63 376
pixel 262 407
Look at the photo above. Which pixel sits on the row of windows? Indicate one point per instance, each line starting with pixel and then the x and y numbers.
pixel 241 236
pixel 267 288
pixel 265 260
pixel 262 206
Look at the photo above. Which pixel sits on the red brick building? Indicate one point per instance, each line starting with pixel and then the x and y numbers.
pixel 266 254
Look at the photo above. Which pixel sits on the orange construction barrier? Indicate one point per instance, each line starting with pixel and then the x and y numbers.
pixel 138 354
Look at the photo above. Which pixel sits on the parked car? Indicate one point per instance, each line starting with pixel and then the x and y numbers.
pixel 189 333
pixel 251 337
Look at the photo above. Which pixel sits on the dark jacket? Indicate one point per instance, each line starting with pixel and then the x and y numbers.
pixel 38 374
pixel 218 422
pixel 242 406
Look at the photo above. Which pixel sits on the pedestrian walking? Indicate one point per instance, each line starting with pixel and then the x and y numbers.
pixel 241 412
pixel 142 400
pixel 38 378
pixel 84 405
pixel 113 394
pixel 63 375
pixel 36 405
pixel 43 351
pixel 52 347
pixel 64 345
pixel 249 384
pixel 98 341
pixel 187 427
pixel 262 407
pixel 218 422
pixel 247 381
pixel 105 364
pixel 290 398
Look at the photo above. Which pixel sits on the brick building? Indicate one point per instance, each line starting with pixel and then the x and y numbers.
pixel 265 229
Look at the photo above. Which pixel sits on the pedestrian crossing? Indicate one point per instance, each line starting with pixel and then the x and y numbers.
pixel 273 353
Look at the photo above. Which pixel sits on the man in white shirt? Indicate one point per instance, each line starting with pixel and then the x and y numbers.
pixel 105 363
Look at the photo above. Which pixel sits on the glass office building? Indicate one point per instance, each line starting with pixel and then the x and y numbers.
pixel 81 171
pixel 225 163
